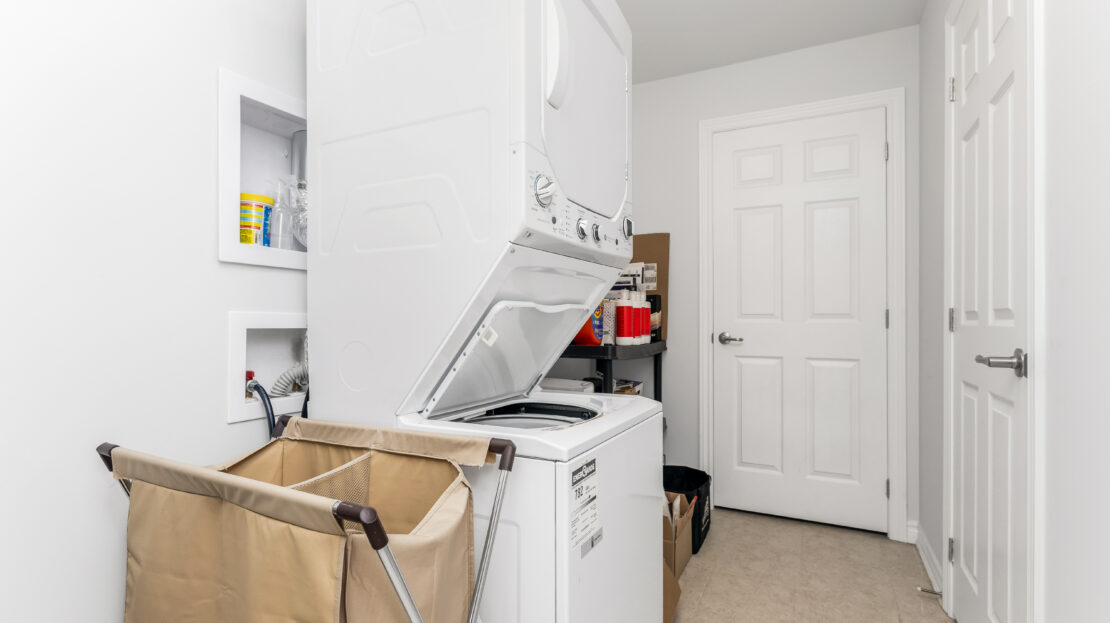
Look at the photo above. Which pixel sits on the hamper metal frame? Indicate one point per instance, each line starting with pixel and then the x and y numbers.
pixel 371 523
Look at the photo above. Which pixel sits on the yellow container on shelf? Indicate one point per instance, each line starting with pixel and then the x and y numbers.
pixel 254 213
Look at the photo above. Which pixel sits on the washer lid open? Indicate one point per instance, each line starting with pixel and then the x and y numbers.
pixel 507 355
pixel 585 110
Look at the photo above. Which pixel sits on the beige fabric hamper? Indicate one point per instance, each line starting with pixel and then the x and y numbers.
pixel 255 539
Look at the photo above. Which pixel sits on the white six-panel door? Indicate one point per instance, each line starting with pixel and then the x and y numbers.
pixel 799 264
pixel 990 406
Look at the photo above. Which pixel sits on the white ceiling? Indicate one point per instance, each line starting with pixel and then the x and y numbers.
pixel 672 37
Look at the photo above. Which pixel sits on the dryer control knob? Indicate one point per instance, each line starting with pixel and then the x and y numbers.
pixel 544 189
pixel 597 232
pixel 581 228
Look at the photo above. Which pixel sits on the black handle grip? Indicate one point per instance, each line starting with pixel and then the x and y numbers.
pixel 506 449
pixel 105 452
pixel 279 427
pixel 369 519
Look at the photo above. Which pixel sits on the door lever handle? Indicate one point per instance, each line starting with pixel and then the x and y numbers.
pixel 1019 362
pixel 726 339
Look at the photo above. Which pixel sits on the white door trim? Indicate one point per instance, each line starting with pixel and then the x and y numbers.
pixel 899 299
pixel 1038 341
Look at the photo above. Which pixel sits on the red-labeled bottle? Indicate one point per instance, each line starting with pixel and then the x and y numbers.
pixel 626 321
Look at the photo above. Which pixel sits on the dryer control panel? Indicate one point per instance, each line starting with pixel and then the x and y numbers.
pixel 555 223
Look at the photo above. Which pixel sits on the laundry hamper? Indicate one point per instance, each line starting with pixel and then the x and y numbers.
pixel 327 522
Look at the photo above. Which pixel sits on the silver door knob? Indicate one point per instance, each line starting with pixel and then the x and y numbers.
pixel 1019 362
pixel 725 338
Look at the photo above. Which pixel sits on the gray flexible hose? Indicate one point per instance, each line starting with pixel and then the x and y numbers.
pixel 298 375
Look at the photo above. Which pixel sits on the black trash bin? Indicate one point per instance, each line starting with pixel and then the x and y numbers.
pixel 692 482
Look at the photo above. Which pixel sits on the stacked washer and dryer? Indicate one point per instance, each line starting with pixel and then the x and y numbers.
pixel 468 162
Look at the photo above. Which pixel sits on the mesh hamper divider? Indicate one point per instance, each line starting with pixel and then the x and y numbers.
pixel 349 483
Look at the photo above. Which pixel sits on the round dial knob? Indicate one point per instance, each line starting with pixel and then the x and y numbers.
pixel 544 189
pixel 580 227
pixel 597 232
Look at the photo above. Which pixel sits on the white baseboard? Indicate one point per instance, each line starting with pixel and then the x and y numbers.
pixel 911 531
pixel 930 560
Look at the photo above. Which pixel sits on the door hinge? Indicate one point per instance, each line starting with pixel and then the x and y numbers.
pixel 951 550
pixel 887 318
pixel 888 488
pixel 952 319
pixel 886 152
pixel 952 89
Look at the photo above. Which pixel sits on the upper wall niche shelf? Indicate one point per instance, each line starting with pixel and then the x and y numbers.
pixel 256 127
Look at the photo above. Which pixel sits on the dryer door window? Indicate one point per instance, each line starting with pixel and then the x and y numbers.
pixel 585 120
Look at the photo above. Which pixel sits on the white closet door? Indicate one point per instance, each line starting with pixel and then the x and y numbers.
pixel 799 226
pixel 991 289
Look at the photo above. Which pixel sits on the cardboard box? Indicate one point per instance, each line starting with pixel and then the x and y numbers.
pixel 655 249
pixel 628 388
pixel 678 544
pixel 671 593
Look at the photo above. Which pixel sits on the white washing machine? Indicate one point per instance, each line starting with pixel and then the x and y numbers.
pixel 578 540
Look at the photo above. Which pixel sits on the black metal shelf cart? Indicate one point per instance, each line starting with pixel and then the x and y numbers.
pixel 604 356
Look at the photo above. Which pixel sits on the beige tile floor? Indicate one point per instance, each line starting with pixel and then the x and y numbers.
pixel 770 570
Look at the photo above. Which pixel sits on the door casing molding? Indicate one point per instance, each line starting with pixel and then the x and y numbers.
pixel 900 385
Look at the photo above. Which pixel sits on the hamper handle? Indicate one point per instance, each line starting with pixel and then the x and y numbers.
pixel 367 517
pixel 507 450
pixel 105 452
pixel 279 427
pixel 375 532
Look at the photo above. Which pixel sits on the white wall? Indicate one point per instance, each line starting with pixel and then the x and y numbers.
pixel 114 304
pixel 665 116
pixel 933 314
pixel 1077 422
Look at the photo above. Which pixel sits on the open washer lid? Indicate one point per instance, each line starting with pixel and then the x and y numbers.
pixel 514 345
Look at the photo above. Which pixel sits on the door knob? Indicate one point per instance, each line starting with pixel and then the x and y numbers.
pixel 1019 362
pixel 725 338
